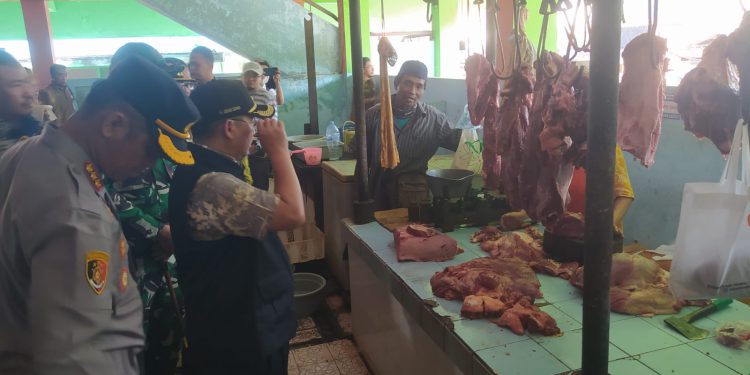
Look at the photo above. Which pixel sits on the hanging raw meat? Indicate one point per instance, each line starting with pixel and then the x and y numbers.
pixel 556 141
pixel 739 54
pixel 388 151
pixel 420 243
pixel 513 124
pixel 482 97
pixel 481 87
pixel 638 286
pixel 642 94
pixel 709 107
pixel 533 165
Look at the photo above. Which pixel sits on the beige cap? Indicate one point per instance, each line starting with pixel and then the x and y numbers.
pixel 252 66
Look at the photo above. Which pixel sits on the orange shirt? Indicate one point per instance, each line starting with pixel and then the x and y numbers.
pixel 577 189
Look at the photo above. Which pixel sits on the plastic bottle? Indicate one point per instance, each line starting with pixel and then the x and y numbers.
pixel 332 141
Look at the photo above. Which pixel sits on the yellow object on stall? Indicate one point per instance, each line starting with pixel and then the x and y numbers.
pixel 388 151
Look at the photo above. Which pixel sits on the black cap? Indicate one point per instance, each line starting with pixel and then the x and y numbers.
pixel 158 98
pixel 131 49
pixel 411 68
pixel 222 99
pixel 175 68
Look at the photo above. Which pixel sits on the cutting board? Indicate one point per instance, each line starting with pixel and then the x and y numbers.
pixel 392 219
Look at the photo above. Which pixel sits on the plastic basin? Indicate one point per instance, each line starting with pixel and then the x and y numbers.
pixel 320 143
pixel 308 293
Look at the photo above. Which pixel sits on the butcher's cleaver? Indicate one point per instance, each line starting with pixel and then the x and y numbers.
pixel 682 324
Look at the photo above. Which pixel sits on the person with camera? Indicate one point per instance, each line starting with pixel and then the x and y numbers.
pixel 272 81
pixel 252 78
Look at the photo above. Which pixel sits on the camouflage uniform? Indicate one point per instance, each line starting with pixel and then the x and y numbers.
pixel 142 209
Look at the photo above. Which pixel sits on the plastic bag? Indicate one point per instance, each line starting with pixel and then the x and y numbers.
pixel 734 335
pixel 712 251
pixel 469 152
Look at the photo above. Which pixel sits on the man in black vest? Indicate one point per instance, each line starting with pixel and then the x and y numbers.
pixel 233 269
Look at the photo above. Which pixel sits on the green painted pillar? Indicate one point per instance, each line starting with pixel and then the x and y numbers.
pixel 448 35
pixel 436 20
pixel 365 22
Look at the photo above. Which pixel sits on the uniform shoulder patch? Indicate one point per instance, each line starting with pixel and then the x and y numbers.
pixel 93 175
pixel 123 247
pixel 97 265
pixel 123 279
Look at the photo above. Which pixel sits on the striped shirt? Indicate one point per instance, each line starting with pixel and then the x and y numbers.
pixel 417 142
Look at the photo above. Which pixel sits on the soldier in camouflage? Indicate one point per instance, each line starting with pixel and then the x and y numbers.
pixel 141 205
pixel 142 209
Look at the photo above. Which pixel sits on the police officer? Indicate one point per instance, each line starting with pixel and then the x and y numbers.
pixel 67 302
pixel 234 271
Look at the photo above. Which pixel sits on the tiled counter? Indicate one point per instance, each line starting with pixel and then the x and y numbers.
pixel 400 332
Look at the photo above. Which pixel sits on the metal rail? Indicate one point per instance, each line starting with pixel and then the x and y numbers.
pixel 363 208
pixel 600 169
pixel 320 8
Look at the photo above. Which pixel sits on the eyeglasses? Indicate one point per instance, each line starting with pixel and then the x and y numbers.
pixel 250 123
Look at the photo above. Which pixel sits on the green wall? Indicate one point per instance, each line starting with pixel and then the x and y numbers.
pixel 93 19
pixel 11 21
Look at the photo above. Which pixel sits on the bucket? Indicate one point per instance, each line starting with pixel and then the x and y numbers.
pixel 312 155
pixel 308 293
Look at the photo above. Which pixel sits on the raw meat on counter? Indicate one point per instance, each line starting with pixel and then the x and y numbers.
pixel 512 245
pixel 518 317
pixel 638 286
pixel 525 316
pixel 492 288
pixel 423 244
pixel 503 279
pixel 569 225
pixel 739 54
pixel 511 132
pixel 479 307
pixel 524 245
pixel 709 107
pixel 642 94
pixel 554 268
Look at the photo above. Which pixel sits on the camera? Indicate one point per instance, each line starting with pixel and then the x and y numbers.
pixel 270 72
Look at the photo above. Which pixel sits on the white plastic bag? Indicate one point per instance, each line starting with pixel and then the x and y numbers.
pixel 712 251
pixel 469 152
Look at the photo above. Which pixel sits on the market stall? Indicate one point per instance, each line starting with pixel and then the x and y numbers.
pixel 402 328
pixel 546 118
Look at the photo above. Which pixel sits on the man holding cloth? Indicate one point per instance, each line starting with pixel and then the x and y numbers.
pixel 419 128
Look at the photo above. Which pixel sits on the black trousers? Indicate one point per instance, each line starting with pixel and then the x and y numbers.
pixel 198 362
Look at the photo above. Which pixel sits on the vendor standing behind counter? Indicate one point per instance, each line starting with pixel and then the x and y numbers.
pixel 419 128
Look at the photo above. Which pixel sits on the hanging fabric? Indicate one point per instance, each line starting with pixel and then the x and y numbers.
pixel 388 151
